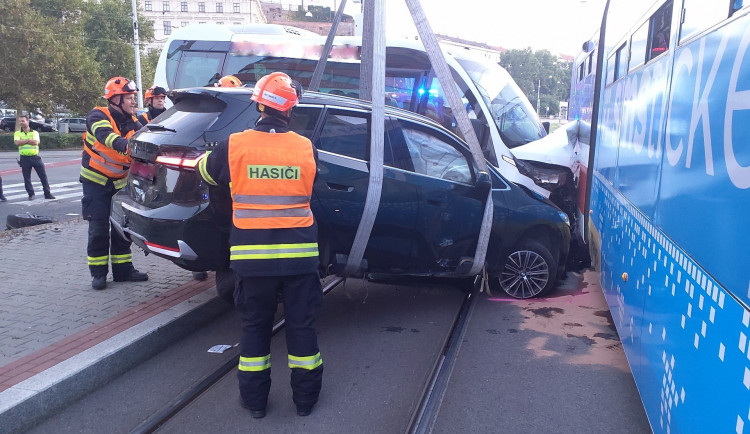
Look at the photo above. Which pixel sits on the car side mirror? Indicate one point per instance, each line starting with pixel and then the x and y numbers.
pixel 483 184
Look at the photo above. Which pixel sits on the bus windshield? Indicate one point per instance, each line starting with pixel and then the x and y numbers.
pixel 513 114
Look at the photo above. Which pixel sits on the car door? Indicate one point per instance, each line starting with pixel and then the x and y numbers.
pixel 341 187
pixel 451 206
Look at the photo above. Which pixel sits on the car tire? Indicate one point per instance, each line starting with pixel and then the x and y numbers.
pixel 15 221
pixel 529 270
pixel 225 281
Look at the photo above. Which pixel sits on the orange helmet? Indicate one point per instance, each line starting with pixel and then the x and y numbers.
pixel 119 86
pixel 154 91
pixel 228 81
pixel 276 91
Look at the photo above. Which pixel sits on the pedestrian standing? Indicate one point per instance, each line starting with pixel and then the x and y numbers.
pixel 155 98
pixel 27 141
pixel 274 248
pixel 104 168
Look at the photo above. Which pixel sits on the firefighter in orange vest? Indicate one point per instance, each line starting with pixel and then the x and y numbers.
pixel 104 168
pixel 274 248
pixel 155 97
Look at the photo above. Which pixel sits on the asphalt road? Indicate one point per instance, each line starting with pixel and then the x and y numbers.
pixel 62 167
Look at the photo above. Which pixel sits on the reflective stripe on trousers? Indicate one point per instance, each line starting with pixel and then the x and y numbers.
pixel 274 251
pixel 305 362
pixel 255 364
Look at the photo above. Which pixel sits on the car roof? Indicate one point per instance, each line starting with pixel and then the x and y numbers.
pixel 316 98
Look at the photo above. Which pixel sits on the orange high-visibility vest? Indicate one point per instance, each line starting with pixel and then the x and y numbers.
pixel 105 159
pixel 272 178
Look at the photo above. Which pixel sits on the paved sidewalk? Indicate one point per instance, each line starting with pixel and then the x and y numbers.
pixel 60 339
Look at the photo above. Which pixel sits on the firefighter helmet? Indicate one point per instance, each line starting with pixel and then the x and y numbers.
pixel 119 86
pixel 275 91
pixel 228 81
pixel 154 91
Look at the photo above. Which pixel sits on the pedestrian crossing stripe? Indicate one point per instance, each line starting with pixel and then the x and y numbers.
pixel 16 193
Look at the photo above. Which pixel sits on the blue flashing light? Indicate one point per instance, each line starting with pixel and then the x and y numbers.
pixel 420 91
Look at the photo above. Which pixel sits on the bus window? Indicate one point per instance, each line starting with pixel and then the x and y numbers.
pixel 661 24
pixel 700 15
pixel 638 47
pixel 197 68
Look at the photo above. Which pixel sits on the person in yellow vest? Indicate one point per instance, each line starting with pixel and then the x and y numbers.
pixel 104 168
pixel 274 243
pixel 27 141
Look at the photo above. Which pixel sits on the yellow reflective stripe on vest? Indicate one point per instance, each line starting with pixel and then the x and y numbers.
pixel 98 260
pixel 307 362
pixel 110 139
pixel 28 150
pixel 90 139
pixel 270 200
pixel 122 259
pixel 93 176
pixel 102 123
pixel 254 364
pixel 120 183
pixel 266 213
pixel 203 172
pixel 274 251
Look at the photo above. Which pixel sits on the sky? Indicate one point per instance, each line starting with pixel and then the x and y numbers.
pixel 560 26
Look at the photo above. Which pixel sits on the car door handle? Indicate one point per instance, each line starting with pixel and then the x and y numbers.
pixel 340 187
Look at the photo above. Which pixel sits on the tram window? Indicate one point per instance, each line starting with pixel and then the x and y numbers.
pixel 638 46
pixel 661 23
pixel 611 66
pixel 580 71
pixel 699 15
pixel 590 63
pixel 736 5
pixel 621 61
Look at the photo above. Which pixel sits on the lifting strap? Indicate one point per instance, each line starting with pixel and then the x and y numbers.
pixel 372 87
pixel 442 71
pixel 321 66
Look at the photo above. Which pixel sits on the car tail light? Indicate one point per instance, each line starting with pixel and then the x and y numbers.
pixel 180 160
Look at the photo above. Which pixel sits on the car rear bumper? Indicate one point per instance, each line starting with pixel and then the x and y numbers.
pixel 186 235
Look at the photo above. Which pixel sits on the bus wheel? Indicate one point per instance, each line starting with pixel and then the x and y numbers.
pixel 529 271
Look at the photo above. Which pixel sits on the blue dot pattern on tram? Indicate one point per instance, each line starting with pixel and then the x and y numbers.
pixel 668 302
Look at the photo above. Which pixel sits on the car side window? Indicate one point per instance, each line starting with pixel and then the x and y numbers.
pixel 303 120
pixel 346 134
pixel 429 152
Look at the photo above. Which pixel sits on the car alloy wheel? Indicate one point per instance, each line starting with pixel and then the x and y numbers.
pixel 528 271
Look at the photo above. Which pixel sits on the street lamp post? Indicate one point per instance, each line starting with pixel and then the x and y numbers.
pixel 538 99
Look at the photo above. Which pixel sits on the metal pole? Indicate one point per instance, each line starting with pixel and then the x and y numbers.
pixel 136 46
pixel 538 89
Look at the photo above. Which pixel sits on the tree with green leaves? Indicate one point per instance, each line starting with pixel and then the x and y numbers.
pixel 539 73
pixel 108 26
pixel 45 61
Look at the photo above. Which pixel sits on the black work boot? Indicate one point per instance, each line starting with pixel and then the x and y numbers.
pixel 99 282
pixel 49 196
pixel 200 275
pixel 129 275
pixel 256 414
pixel 2 198
pixel 304 410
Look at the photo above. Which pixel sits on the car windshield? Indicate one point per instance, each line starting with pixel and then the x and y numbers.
pixel 513 114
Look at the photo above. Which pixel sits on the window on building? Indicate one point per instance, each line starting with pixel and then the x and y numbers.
pixel 201 22
pixel 165 6
pixel 219 7
pixel 167 27
pixel 184 23
pixel 201 6
pixel 220 23
pixel 236 8
pixel 147 5
pixel 237 24
pixel 183 7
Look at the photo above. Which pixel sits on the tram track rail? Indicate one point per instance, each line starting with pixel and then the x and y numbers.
pixel 175 406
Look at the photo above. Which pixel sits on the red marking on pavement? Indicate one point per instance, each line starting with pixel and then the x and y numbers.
pixel 55 164
pixel 28 366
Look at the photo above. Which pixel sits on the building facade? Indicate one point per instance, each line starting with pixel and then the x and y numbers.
pixel 169 15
